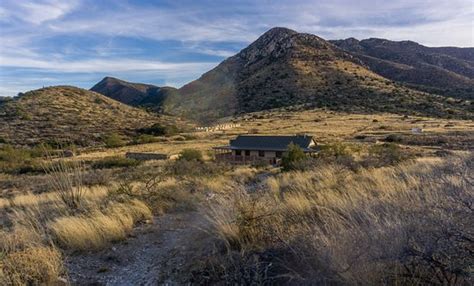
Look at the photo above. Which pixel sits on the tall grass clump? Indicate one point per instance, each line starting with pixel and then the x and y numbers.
pixel 26 260
pixel 100 227
pixel 408 224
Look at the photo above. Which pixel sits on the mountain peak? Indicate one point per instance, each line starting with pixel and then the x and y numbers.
pixel 275 42
pixel 278 31
pixel 110 79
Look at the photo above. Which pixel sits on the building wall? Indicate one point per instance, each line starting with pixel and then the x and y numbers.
pixel 268 154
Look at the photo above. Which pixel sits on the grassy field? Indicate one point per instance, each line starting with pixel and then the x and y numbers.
pixel 379 205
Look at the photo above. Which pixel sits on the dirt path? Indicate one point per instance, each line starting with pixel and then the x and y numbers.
pixel 153 254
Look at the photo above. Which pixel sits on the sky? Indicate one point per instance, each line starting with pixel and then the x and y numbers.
pixel 78 42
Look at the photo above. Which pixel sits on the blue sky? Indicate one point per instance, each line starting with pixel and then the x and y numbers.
pixel 78 42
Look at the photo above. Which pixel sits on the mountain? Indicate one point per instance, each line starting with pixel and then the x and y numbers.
pixel 68 114
pixel 134 94
pixel 284 68
pixel 444 70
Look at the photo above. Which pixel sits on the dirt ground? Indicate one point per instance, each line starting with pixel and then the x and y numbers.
pixel 152 255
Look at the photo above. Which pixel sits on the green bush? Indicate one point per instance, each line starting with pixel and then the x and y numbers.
pixel 145 138
pixel 114 140
pixel 115 162
pixel 334 150
pixel 160 130
pixel 190 155
pixel 17 160
pixel 294 156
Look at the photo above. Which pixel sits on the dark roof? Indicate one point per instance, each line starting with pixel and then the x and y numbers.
pixel 270 143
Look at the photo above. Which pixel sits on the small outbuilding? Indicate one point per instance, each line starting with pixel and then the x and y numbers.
pixel 251 149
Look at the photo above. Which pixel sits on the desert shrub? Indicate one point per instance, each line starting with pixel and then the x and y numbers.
pixel 114 162
pixel 294 155
pixel 9 154
pixel 145 138
pixel 114 140
pixel 190 155
pixel 336 149
pixel 17 160
pixel 393 138
pixel 384 154
pixel 97 177
pixel 158 129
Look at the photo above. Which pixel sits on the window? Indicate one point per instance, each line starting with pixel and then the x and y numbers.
pixel 279 154
pixel 238 152
pixel 247 152
pixel 261 153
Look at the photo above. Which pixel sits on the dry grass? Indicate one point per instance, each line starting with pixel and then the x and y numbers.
pixel 95 230
pixel 33 266
pixel 26 260
pixel 74 216
pixel 408 224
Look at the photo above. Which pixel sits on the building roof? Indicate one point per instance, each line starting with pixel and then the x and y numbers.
pixel 268 143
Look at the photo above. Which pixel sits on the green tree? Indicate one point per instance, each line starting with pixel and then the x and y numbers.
pixel 295 154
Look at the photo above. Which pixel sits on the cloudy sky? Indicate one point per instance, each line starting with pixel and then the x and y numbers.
pixel 78 42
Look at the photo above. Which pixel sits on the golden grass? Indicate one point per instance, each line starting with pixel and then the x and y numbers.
pixel 4 203
pixel 51 201
pixel 333 223
pixel 32 266
pixel 95 230
pixel 26 260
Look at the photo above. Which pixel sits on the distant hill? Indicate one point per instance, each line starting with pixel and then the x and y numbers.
pixel 444 70
pixel 285 68
pixel 69 114
pixel 134 94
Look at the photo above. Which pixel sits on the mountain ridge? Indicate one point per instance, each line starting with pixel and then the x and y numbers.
pixel 69 115
pixel 283 68
pixel 131 93
pixel 443 70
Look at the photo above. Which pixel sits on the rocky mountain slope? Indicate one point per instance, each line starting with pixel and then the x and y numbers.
pixel 444 70
pixel 285 68
pixel 68 114
pixel 135 94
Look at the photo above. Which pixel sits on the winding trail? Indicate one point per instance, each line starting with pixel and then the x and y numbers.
pixel 152 255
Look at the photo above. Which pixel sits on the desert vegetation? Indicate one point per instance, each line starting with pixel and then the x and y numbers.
pixel 376 205
pixel 404 224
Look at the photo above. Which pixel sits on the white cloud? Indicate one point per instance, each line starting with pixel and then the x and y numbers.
pixel 203 28
pixel 38 12
pixel 102 65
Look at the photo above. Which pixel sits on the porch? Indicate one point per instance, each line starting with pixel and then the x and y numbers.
pixel 245 160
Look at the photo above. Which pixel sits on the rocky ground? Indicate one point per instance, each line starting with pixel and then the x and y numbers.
pixel 154 254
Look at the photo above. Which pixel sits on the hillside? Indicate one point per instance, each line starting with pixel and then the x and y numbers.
pixel 68 114
pixel 285 68
pixel 444 70
pixel 134 94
